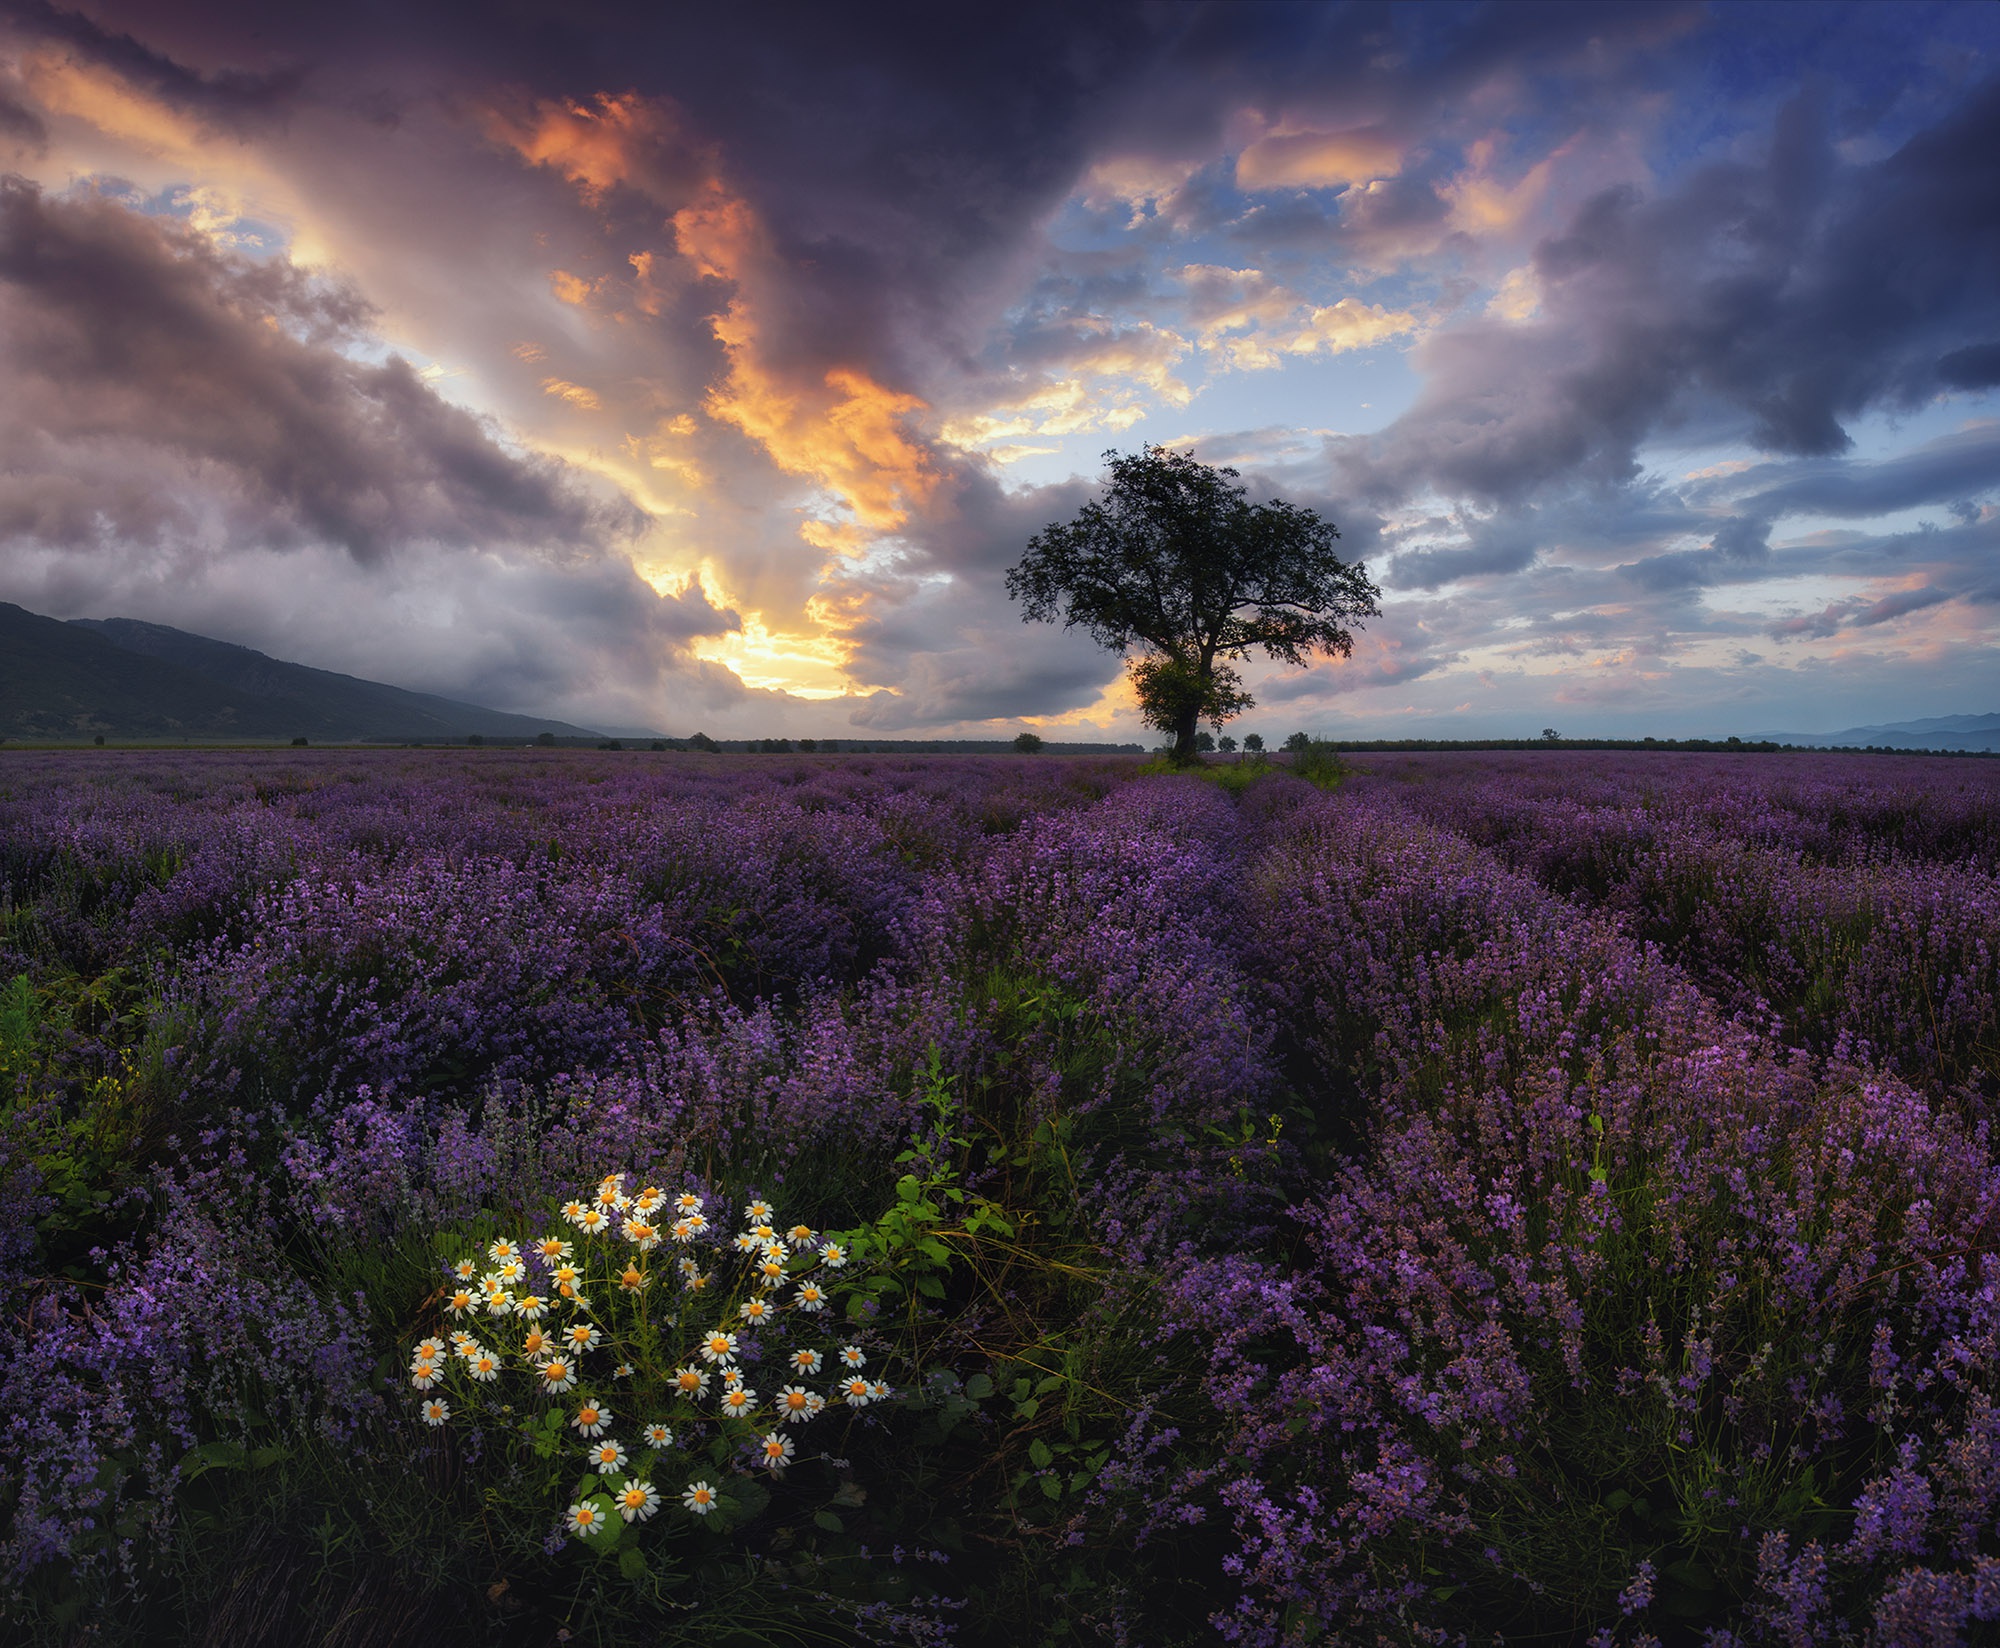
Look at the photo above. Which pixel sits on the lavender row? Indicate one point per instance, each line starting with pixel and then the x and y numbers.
pixel 1629 1320
pixel 1887 956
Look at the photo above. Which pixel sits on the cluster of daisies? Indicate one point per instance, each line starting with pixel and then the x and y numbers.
pixel 542 1292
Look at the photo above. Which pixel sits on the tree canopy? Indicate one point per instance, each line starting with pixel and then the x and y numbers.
pixel 1175 561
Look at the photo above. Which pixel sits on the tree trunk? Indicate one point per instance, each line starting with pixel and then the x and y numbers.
pixel 1184 729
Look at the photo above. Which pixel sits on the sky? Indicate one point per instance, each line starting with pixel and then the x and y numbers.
pixel 706 368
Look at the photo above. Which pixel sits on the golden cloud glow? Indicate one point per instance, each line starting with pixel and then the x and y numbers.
pixel 1482 204
pixel 587 400
pixel 597 145
pixel 1318 160
pixel 1519 297
pixel 848 433
pixel 101 99
pixel 1252 323
pixel 574 289
pixel 806 666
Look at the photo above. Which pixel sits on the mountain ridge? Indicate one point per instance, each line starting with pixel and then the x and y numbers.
pixel 1935 732
pixel 124 678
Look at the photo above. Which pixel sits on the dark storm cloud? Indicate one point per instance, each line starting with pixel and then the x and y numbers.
pixel 1506 542
pixel 1775 300
pixel 229 97
pixel 1953 467
pixel 1859 613
pixel 20 127
pixel 1977 367
pixel 134 352
pixel 902 159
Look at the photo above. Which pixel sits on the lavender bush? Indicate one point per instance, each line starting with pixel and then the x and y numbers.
pixel 1543 1197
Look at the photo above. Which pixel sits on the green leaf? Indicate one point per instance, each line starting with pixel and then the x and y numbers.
pixel 213 1456
pixel 1029 1407
pixel 1038 1451
pixel 979 1385
pixel 632 1563
pixel 930 1287
pixel 1051 1488
pixel 827 1520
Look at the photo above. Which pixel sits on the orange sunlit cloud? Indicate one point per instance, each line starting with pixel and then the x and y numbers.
pixel 1319 160
pixel 848 433
pixel 596 145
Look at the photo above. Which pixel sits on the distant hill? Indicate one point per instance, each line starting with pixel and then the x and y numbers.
pixel 1938 732
pixel 125 679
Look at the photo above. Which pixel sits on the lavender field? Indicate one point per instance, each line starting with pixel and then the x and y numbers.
pixel 632 1198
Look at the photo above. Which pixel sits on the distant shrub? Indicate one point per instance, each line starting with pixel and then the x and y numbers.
pixel 1027 743
pixel 1318 762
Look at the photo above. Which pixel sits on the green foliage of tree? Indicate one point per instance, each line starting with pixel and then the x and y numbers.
pixel 1028 743
pixel 1254 742
pixel 1174 561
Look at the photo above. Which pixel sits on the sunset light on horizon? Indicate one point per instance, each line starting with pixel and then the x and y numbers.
pixel 709 369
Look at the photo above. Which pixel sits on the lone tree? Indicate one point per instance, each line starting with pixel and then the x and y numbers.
pixel 1173 561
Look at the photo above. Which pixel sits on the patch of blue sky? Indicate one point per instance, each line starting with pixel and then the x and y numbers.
pixel 1350 394
pixel 1891 432
pixel 208 212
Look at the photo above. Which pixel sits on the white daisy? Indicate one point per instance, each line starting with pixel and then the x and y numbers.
pixel 608 1455
pixel 699 1497
pixel 636 1501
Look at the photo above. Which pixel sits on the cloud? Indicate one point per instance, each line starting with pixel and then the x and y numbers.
pixel 1715 304
pixel 1319 160
pixel 231 98
pixel 771 308
pixel 158 386
pixel 1960 465
pixel 1858 612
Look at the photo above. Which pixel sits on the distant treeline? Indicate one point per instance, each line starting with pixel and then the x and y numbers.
pixel 1709 746
pixel 793 746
